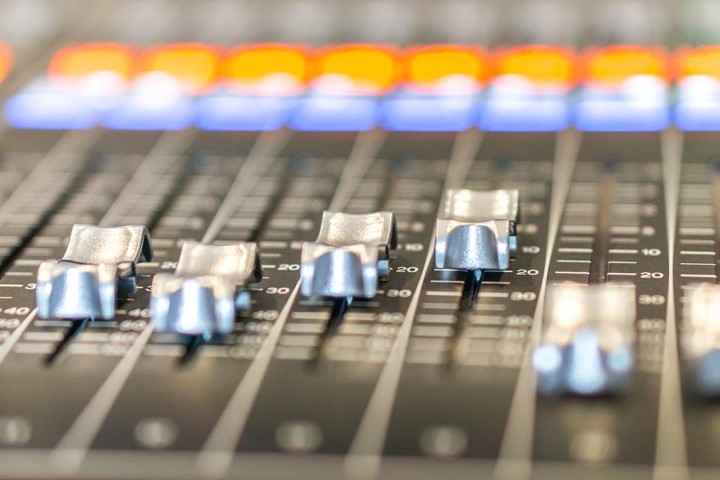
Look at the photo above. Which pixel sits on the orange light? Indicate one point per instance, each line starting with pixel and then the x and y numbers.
pixel 194 66
pixel 362 68
pixel 543 65
pixel 274 68
pixel 612 65
pixel 428 66
pixel 77 62
pixel 5 61
pixel 699 61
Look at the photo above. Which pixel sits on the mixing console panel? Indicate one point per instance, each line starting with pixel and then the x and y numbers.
pixel 323 259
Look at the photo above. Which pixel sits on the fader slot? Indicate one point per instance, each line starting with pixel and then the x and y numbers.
pixel 45 189
pixel 293 220
pixel 329 400
pixel 105 342
pixel 625 423
pixel 696 263
pixel 463 412
pixel 364 219
pixel 41 337
pixel 603 223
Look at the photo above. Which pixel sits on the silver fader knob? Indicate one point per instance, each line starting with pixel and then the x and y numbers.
pixel 588 338
pixel 477 230
pixel 350 271
pixel 98 266
pixel 345 229
pixel 351 254
pixel 206 290
pixel 701 336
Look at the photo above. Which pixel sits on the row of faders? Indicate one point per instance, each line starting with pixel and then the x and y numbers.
pixel 589 335
pixel 476 232
pixel 587 344
pixel 208 289
pixel 201 298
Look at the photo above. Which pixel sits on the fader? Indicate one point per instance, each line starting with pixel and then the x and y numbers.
pixel 587 346
pixel 206 290
pixel 98 266
pixel 350 256
pixel 477 230
pixel 700 340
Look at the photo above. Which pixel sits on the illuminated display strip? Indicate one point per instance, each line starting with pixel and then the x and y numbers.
pixel 79 63
pixel 5 61
pixel 624 87
pixel 530 90
pixel 344 87
pixel 698 90
pixel 257 88
pixel 440 89
pixel 358 87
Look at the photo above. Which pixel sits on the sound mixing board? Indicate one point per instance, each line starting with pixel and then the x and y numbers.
pixel 534 297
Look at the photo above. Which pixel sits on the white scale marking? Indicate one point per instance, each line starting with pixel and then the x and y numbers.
pixel 485 294
pixel 575 250
pixel 433 293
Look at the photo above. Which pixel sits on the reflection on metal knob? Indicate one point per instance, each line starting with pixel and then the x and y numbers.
pixel 206 290
pixel 339 272
pixel 344 229
pixel 98 266
pixel 477 230
pixel 351 254
pixel 587 343
pixel 701 336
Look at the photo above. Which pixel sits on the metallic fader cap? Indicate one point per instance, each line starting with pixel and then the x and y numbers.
pixel 206 290
pixel 588 339
pixel 477 230
pixel 98 265
pixel 351 254
pixel 701 336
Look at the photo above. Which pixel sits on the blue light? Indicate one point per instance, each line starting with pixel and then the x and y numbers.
pixel 50 111
pixel 317 112
pixel 698 104
pixel 609 116
pixel 526 113
pixel 411 112
pixel 143 111
pixel 708 373
pixel 236 113
pixel 639 104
